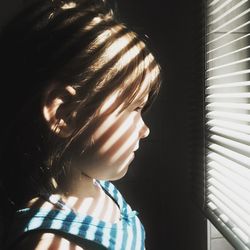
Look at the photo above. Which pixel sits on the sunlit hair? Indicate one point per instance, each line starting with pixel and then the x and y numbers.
pixel 78 43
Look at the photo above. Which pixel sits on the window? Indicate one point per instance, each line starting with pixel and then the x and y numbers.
pixel 227 119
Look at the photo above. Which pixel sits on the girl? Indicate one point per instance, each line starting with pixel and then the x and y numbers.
pixel 82 81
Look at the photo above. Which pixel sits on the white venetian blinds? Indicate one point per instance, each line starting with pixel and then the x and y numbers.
pixel 227 117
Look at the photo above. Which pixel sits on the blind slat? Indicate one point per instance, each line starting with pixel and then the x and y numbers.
pixel 233 184
pixel 229 32
pixel 228 213
pixel 230 21
pixel 229 95
pixel 234 177
pixel 227 119
pixel 228 54
pixel 229 230
pixel 228 105
pixel 231 134
pixel 234 73
pixel 224 194
pixel 241 147
pixel 228 64
pixel 229 43
pixel 229 164
pixel 235 156
pixel 230 10
pixel 229 115
pixel 227 85
pixel 213 2
pixel 218 8
pixel 231 125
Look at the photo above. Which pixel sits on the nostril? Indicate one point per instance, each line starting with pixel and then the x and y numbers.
pixel 145 132
pixel 136 147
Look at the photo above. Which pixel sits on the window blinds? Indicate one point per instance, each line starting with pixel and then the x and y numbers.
pixel 227 118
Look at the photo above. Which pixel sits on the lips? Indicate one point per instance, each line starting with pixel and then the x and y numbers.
pixel 137 146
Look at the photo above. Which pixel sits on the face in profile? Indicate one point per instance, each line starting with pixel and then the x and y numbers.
pixel 114 135
pixel 115 138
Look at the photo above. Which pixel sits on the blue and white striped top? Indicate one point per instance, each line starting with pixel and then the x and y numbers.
pixel 127 234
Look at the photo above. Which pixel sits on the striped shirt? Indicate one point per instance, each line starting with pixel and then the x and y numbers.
pixel 127 234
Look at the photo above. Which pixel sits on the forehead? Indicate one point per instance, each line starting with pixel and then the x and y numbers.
pixel 141 99
pixel 143 92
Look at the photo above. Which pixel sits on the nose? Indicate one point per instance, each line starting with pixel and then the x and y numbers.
pixel 144 131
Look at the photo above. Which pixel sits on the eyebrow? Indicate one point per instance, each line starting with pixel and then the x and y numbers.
pixel 140 101
pixel 144 101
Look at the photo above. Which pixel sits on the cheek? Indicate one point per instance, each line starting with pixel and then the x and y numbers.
pixel 114 142
pixel 118 139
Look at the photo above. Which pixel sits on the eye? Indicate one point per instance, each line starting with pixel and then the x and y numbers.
pixel 138 108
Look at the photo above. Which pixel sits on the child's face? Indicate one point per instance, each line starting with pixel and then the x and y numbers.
pixel 114 140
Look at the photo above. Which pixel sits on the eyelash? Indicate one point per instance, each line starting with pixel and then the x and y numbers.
pixel 138 108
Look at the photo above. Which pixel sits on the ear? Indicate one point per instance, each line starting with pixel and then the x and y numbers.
pixel 55 109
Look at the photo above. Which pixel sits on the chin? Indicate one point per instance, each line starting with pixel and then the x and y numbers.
pixel 119 175
pixel 114 173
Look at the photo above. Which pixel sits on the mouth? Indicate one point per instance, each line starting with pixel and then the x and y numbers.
pixel 136 148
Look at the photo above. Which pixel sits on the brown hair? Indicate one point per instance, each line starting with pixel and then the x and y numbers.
pixel 79 43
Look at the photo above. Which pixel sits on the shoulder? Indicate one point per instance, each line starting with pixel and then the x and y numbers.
pixel 109 186
pixel 46 241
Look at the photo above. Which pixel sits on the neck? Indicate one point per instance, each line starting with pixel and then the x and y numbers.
pixel 81 193
pixel 79 185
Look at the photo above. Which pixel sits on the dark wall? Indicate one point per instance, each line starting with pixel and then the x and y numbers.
pixel 157 184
